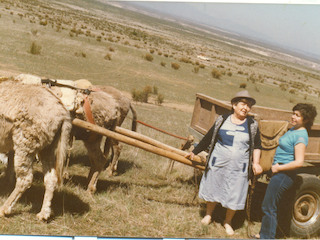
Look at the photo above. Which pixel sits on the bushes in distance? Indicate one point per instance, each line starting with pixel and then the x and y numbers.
pixel 144 94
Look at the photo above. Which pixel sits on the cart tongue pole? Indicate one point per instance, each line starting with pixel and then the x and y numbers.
pixel 133 141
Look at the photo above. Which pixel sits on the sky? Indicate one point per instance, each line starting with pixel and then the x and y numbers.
pixel 288 24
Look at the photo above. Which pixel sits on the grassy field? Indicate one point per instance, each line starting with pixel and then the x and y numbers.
pixel 107 45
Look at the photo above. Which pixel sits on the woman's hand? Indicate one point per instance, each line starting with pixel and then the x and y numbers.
pixel 189 155
pixel 257 169
pixel 275 168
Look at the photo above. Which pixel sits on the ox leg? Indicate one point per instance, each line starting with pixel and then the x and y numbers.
pixel 10 175
pixel 24 177
pixel 97 160
pixel 112 168
pixel 50 180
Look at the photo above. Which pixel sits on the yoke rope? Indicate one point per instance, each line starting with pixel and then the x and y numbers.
pixel 160 130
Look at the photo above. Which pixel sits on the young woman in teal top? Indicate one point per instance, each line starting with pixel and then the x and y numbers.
pixel 288 158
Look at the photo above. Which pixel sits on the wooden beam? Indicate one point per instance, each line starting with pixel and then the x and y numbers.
pixel 137 143
pixel 153 142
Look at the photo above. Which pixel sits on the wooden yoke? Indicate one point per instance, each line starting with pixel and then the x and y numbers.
pixel 137 143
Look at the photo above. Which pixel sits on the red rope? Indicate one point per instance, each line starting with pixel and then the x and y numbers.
pixel 160 130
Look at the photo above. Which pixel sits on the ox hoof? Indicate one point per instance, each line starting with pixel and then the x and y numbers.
pixel 43 216
pixel 66 176
pixel 91 190
pixel 111 172
pixel 4 212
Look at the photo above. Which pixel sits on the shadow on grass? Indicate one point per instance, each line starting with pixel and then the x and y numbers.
pixel 112 184
pixel 62 202
pixel 241 215
pixel 220 213
pixel 81 160
pixel 124 166
pixel 102 185
pixel 184 203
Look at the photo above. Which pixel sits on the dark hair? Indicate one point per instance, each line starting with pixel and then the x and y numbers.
pixel 235 101
pixel 242 99
pixel 308 112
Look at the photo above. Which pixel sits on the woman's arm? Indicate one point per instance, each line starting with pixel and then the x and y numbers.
pixel 202 145
pixel 205 141
pixel 299 151
pixel 256 167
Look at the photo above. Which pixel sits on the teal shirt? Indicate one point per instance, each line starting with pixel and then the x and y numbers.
pixel 285 150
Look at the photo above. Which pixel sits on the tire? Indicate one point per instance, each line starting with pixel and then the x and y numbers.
pixel 305 216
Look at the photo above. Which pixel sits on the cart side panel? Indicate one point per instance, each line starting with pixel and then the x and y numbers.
pixel 205 112
pixel 313 149
pixel 266 113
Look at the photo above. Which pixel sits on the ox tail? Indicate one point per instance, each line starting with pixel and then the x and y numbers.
pixel 62 149
pixel 134 118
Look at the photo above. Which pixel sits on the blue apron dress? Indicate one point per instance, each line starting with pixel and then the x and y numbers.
pixel 226 180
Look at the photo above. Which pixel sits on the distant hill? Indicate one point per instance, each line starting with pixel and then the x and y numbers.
pixel 293 55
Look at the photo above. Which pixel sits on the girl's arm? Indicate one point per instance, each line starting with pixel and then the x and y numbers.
pixel 299 151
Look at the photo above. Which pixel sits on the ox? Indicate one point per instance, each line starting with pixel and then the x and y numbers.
pixel 33 121
pixel 124 106
pixel 108 107
pixel 105 113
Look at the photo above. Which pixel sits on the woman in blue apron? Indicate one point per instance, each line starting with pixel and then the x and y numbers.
pixel 234 152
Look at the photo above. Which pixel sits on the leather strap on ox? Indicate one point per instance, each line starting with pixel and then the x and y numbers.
pixel 87 110
pixel 86 92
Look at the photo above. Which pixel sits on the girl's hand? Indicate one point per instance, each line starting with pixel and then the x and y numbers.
pixel 275 168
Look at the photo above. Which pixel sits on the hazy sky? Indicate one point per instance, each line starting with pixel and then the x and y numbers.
pixel 293 26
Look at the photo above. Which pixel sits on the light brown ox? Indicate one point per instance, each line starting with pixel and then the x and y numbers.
pixel 105 113
pixel 109 108
pixel 124 106
pixel 33 121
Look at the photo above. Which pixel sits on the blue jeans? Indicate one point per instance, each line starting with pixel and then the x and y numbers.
pixel 279 183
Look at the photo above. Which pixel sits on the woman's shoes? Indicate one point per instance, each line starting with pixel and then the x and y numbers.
pixel 229 229
pixel 206 220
